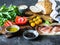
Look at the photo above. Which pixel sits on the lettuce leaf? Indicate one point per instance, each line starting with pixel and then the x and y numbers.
pixel 8 13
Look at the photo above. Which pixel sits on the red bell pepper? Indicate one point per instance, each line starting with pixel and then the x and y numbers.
pixel 8 23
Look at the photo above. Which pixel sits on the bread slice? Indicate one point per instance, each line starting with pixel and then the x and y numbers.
pixel 35 9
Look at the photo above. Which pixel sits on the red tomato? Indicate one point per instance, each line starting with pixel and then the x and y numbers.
pixel 20 20
pixel 8 23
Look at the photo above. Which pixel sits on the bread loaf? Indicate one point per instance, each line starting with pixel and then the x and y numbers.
pixel 43 6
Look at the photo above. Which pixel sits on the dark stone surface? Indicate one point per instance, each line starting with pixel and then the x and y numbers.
pixel 41 40
pixel 18 2
pixel 44 40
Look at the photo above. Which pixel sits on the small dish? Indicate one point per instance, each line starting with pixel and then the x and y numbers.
pixel 22 8
pixel 30 34
pixel 12 29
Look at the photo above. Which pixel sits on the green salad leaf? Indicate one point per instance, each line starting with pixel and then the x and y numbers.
pixel 8 13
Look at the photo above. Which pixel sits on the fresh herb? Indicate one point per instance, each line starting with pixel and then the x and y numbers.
pixel 47 22
pixel 8 13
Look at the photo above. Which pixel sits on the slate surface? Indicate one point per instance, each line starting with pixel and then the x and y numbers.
pixel 45 40
pixel 42 40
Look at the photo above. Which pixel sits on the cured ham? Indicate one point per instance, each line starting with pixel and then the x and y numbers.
pixel 56 30
pixel 46 30
pixel 49 30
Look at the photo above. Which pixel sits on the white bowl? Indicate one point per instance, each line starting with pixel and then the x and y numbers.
pixel 12 26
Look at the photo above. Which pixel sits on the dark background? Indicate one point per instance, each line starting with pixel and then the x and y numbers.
pixel 18 2
pixel 42 40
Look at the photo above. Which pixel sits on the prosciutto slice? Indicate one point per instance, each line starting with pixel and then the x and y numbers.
pixel 45 30
pixel 49 30
pixel 56 30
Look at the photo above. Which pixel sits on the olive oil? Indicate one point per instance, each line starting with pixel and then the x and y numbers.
pixel 12 29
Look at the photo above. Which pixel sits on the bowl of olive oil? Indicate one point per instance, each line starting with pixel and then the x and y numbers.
pixel 12 29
